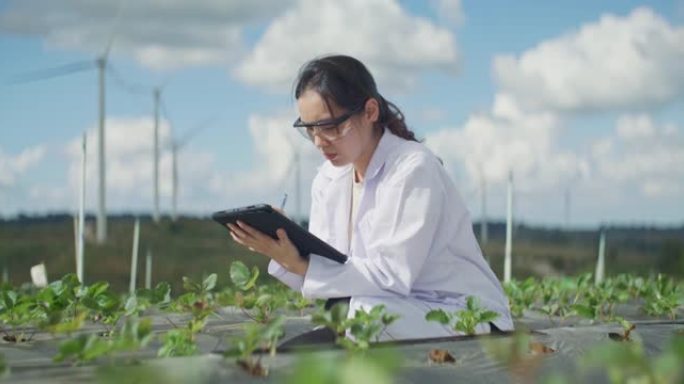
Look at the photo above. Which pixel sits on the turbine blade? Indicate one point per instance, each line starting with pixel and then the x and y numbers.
pixel 115 28
pixel 45 74
pixel 191 133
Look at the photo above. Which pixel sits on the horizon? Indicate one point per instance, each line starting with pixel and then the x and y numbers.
pixel 90 218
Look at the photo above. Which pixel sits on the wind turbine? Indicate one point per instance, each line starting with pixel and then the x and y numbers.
pixel 566 198
pixel 295 166
pixel 101 63
pixel 101 147
pixel 176 146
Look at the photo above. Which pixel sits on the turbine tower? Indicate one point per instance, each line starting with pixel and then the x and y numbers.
pixel 157 94
pixel 101 63
pixel 175 145
pixel 509 229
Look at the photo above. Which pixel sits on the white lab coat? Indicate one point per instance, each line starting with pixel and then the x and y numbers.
pixel 413 247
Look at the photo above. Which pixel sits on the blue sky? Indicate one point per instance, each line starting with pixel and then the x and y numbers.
pixel 579 98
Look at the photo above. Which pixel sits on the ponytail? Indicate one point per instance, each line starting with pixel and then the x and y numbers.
pixel 392 118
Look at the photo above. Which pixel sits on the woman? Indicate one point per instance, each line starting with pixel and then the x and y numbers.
pixel 386 201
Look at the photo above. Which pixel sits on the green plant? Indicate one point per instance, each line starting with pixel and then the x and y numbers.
pixel 133 335
pixel 199 301
pixel 256 336
pixel 465 320
pixel 379 367
pixel 627 328
pixel 257 303
pixel 628 362
pixel 364 327
pixel 15 311
pixel 105 306
pixel 521 295
pixel 334 319
pixel 178 342
pixel 663 297
pixel 242 277
pixel 295 301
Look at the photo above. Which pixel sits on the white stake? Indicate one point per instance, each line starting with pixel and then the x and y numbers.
pixel 484 233
pixel 81 213
pixel 134 257
pixel 148 270
pixel 101 202
pixel 601 263
pixel 39 275
pixel 174 182
pixel 509 229
pixel 75 216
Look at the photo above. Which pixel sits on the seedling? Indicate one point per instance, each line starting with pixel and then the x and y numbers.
pixel 466 320
pixel 628 362
pixel 134 334
pixel 663 298
pixel 627 328
pixel 521 295
pixel 256 303
pixel 363 328
pixel 366 327
pixel 334 319
pixel 257 336
pixel 241 276
pixel 199 301
pixel 297 302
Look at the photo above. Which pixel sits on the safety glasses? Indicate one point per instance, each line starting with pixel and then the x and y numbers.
pixel 328 129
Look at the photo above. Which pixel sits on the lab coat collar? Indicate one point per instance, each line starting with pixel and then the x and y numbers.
pixel 388 141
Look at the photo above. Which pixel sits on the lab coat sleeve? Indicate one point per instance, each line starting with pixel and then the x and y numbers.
pixel 398 240
pixel 290 279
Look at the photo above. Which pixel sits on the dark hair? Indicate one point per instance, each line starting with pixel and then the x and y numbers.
pixel 348 83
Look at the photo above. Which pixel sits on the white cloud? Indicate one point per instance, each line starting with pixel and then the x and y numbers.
pixel 129 161
pixel 432 114
pixel 506 139
pixel 616 62
pixel 450 11
pixel 274 167
pixel 13 167
pixel 205 185
pixel 642 155
pixel 394 44
pixel 170 34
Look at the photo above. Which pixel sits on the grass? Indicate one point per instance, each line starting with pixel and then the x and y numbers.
pixel 195 247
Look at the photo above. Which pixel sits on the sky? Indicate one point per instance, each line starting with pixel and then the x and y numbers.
pixel 581 101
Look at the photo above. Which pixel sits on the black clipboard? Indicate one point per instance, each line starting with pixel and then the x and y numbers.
pixel 267 220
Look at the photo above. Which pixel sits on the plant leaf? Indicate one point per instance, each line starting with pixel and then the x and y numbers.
pixel 438 315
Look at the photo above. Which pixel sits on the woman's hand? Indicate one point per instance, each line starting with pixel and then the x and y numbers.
pixel 281 250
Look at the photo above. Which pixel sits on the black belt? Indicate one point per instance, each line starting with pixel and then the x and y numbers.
pixel 336 300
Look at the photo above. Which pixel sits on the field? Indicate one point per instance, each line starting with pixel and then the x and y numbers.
pixel 212 315
pixel 194 246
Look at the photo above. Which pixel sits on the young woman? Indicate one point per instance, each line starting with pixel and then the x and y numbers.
pixel 386 201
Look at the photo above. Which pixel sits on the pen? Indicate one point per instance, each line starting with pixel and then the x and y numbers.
pixel 282 205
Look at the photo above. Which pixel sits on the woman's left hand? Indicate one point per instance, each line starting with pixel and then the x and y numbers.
pixel 281 250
